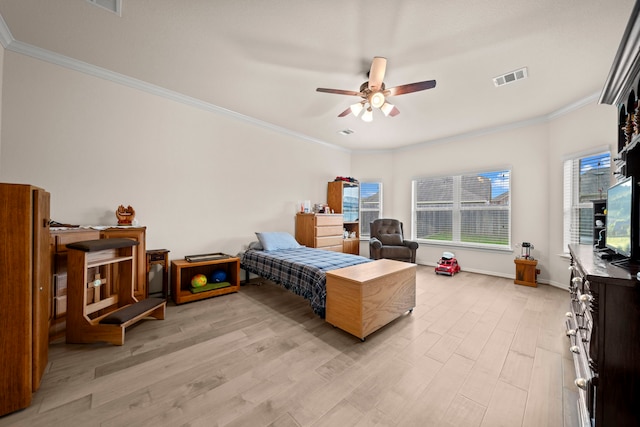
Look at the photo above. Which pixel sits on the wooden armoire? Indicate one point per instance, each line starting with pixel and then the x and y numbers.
pixel 24 293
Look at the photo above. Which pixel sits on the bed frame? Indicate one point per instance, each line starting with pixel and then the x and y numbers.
pixel 354 293
pixel 301 270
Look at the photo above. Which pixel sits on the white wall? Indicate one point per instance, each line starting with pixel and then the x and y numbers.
pixel 200 181
pixel 534 154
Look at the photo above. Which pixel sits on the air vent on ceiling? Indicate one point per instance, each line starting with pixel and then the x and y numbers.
pixel 114 6
pixel 510 77
pixel 346 132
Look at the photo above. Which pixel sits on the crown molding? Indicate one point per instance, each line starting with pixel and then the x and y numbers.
pixel 5 35
pixel 625 64
pixel 16 46
pixel 591 99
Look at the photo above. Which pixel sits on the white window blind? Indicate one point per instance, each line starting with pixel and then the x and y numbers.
pixel 586 179
pixel 468 210
pixel 370 205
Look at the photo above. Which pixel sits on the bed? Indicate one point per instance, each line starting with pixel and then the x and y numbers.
pixel 298 269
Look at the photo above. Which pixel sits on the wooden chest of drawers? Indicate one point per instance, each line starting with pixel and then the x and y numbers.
pixel 323 231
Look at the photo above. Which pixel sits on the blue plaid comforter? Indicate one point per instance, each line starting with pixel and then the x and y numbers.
pixel 300 270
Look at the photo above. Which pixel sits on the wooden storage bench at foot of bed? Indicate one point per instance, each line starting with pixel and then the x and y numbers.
pixel 365 297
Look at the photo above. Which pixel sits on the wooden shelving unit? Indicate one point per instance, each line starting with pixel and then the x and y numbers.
pixel 599 209
pixel 344 197
pixel 182 271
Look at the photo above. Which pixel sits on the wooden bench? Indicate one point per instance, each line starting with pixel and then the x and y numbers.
pixel 100 286
pixel 363 298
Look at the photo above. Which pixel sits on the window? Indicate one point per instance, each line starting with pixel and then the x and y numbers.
pixel 585 179
pixel 466 210
pixel 370 205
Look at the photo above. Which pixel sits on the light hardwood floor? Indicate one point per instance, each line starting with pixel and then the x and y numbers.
pixel 476 351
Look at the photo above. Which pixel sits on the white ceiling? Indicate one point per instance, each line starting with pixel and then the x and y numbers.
pixel 264 59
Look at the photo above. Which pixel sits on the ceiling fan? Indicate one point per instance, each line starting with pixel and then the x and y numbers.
pixel 374 94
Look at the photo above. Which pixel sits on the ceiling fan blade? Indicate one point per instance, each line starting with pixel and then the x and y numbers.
pixel 394 112
pixel 345 112
pixel 376 73
pixel 411 87
pixel 339 91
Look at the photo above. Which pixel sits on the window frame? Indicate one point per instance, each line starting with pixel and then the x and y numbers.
pixel 458 207
pixel 363 225
pixel 573 208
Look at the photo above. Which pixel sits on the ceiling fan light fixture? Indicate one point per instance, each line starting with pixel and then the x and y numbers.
pixel 377 99
pixel 373 93
pixel 367 116
pixel 357 108
pixel 386 108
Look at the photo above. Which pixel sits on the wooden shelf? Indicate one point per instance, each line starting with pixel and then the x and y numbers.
pixel 344 197
pixel 182 271
pixel 351 246
pixel 107 261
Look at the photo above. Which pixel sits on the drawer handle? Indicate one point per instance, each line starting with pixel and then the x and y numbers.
pixel 574 349
pixel 581 383
pixel 576 280
pixel 571 332
pixel 568 314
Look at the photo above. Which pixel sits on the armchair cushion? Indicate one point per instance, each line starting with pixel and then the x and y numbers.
pixel 396 252
pixel 391 239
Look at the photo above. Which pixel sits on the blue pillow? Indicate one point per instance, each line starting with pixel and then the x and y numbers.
pixel 274 240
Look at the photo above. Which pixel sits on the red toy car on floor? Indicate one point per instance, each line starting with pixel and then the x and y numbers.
pixel 448 264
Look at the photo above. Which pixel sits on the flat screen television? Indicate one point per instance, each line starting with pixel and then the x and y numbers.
pixel 619 236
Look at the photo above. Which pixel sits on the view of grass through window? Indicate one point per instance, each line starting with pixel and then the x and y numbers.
pixel 469 209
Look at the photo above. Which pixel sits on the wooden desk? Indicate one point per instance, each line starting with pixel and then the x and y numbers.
pixel 159 257
pixel 365 297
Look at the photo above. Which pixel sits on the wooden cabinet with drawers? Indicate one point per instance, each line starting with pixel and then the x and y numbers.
pixel 323 231
pixel 59 240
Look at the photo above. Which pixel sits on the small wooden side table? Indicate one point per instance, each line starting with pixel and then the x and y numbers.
pixel 159 256
pixel 526 272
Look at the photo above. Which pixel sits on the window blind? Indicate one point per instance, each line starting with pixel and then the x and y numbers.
pixel 586 179
pixel 470 210
pixel 370 205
